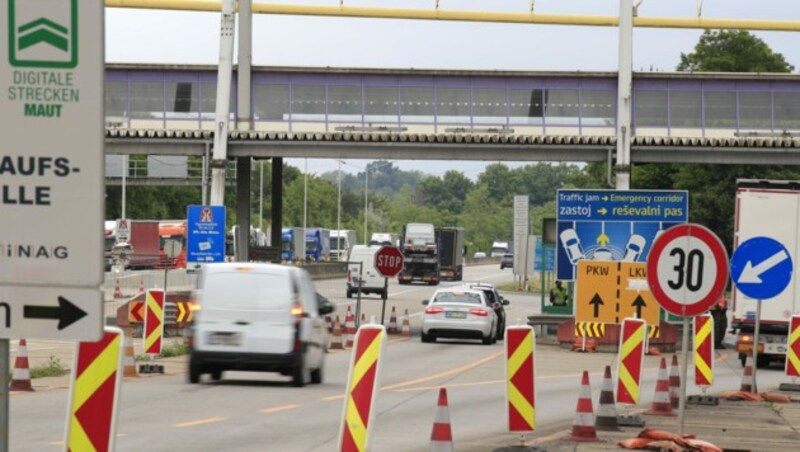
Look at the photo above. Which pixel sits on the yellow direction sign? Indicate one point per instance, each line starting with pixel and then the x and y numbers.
pixel 611 291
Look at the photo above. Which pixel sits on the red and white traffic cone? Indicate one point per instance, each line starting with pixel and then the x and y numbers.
pixel 442 433
pixel 141 285
pixel 117 291
pixel 349 328
pixel 661 404
pixel 406 328
pixel 583 427
pixel 336 338
pixel 747 375
pixel 129 361
pixel 674 383
pixel 21 380
pixel 392 323
pixel 606 409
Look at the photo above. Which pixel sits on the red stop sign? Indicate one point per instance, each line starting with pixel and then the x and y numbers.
pixel 389 261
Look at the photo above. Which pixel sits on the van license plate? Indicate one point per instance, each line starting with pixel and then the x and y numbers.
pixel 455 315
pixel 225 339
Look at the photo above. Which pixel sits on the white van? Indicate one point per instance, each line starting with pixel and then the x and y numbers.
pixel 371 280
pixel 258 317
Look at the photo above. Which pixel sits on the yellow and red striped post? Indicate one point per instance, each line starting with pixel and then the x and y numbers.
pixel 703 351
pixel 362 388
pixel 94 393
pixel 631 358
pixel 153 321
pixel 793 348
pixel 520 372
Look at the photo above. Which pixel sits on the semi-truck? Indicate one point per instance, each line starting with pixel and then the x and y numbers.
pixel 318 244
pixel 342 241
pixel 421 255
pixel 292 242
pixel 769 209
pixel 450 242
pixel 383 238
pixel 172 230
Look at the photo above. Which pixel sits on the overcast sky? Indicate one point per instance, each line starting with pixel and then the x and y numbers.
pixel 150 36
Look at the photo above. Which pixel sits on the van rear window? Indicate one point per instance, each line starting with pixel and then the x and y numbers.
pixel 245 291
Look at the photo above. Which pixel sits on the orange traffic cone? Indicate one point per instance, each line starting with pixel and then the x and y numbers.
pixel 117 291
pixel 129 362
pixel 349 328
pixel 747 375
pixel 606 410
pixel 661 403
pixel 336 339
pixel 406 328
pixel 442 434
pixel 21 380
pixel 674 383
pixel 392 323
pixel 583 427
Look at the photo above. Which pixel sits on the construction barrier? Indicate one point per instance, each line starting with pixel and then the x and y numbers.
pixel 94 393
pixel 631 358
pixel 590 329
pixel 793 348
pixel 442 432
pixel 363 384
pixel 520 347
pixel 185 312
pixel 154 321
pixel 704 351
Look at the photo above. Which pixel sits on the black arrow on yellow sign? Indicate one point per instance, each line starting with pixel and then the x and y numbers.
pixel 596 302
pixel 639 303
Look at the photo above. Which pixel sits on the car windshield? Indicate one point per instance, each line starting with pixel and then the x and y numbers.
pixel 458 297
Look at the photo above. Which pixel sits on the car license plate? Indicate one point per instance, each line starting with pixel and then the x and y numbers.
pixel 455 315
pixel 221 338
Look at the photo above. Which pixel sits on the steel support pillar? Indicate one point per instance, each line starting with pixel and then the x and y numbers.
pixel 624 99
pixel 276 209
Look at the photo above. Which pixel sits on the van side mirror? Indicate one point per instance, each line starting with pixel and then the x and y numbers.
pixel 506 302
pixel 326 308
pixel 425 302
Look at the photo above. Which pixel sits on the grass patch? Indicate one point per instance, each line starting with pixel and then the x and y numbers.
pixel 534 286
pixel 52 368
pixel 169 350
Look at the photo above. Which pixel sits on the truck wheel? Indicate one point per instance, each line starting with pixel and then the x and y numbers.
pixel 194 373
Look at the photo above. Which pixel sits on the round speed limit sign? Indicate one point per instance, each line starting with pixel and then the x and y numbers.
pixel 687 269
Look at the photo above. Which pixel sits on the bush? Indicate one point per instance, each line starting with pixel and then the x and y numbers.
pixel 53 368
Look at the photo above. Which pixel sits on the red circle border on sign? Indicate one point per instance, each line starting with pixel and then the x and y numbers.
pixel 720 257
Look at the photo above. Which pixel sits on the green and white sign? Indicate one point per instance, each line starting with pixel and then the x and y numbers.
pixel 51 162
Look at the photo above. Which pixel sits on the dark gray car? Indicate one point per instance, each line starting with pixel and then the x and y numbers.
pixel 507 261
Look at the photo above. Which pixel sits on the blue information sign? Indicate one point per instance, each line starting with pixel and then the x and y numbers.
pixel 761 268
pixel 613 225
pixel 206 234
pixel 549 257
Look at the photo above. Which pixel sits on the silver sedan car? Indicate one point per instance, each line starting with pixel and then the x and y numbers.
pixel 458 312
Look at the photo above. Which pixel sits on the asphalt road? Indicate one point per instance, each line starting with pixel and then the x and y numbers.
pixel 255 411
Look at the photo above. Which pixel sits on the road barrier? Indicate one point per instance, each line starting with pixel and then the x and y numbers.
pixel 520 346
pixel 703 351
pixel 631 358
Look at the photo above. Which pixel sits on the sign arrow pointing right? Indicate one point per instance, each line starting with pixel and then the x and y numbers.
pixel 66 313
pixel 752 274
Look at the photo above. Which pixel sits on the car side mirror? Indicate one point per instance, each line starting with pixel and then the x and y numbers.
pixel 326 308
pixel 425 302
pixel 506 302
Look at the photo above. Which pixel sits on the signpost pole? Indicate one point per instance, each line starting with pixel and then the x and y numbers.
pixel 358 297
pixel 383 300
pixel 684 370
pixel 755 345
pixel 5 367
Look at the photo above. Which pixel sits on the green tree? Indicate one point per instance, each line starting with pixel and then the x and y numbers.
pixel 732 51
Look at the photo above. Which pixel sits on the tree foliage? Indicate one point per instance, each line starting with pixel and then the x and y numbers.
pixel 732 51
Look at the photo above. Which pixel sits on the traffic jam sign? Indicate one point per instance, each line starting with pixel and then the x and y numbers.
pixel 611 291
pixel 687 269
pixel 612 225
pixel 761 268
pixel 389 261
pixel 51 65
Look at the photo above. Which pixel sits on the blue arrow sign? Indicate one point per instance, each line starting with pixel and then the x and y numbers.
pixel 761 268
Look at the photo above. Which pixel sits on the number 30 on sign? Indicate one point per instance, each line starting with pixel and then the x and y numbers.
pixel 687 269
